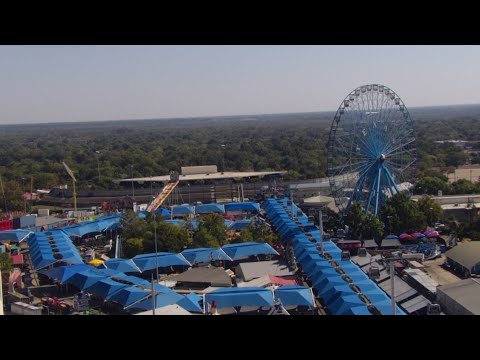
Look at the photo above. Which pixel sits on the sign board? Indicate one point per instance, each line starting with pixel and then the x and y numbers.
pixel 81 302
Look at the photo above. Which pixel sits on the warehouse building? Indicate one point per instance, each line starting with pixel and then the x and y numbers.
pixel 465 258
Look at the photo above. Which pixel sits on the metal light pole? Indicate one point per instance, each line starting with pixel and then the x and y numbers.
pixel 189 202
pixel 392 285
pixel 156 249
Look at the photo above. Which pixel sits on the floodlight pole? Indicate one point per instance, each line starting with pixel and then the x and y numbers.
pixel 153 297
pixel 320 215
pixel 156 250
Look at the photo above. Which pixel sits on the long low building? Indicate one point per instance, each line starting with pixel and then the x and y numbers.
pixel 205 176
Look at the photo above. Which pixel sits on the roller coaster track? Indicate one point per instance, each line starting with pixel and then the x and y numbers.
pixel 159 200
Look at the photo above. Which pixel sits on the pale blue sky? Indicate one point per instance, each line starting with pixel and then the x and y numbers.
pixel 87 83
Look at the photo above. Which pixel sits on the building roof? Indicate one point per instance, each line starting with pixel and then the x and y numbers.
pixel 423 279
pixel 466 254
pixel 465 292
pixel 50 220
pixel 253 270
pixel 212 176
pixel 206 275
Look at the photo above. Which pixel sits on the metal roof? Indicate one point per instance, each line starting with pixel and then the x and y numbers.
pixel 465 292
pixel 253 270
pixel 423 279
pixel 206 275
pixel 465 254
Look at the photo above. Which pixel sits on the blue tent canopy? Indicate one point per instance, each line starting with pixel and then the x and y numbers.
pixel 85 279
pixel 162 299
pixel 149 261
pixel 209 208
pixel 244 250
pixel 393 237
pixel 246 296
pixel 191 303
pixel 291 295
pixel 245 206
pixel 122 265
pixel 63 273
pixel 163 212
pixel 205 255
pixel 47 248
pixel 105 288
pixel 15 235
pixel 239 225
pixel 183 210
pixel 130 280
pixel 129 295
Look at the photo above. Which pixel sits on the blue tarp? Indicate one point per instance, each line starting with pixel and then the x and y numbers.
pixel 191 303
pixel 209 208
pixel 245 206
pixel 246 296
pixel 291 295
pixel 244 250
pixel 15 235
pixel 129 295
pixel 149 262
pixel 239 225
pixel 105 288
pixel 205 255
pixel 63 273
pixel 122 265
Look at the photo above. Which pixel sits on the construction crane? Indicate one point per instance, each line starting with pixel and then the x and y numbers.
pixel 70 172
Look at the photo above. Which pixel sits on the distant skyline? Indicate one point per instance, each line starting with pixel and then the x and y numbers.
pixel 41 84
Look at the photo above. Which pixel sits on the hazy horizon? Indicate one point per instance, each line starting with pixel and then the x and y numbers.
pixel 67 84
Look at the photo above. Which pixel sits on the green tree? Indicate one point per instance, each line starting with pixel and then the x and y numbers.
pixel 372 228
pixel 6 262
pixel 211 230
pixel 354 219
pixel 205 239
pixel 257 233
pixel 333 222
pixel 402 214
pixel 133 247
pixel 431 185
pixel 431 210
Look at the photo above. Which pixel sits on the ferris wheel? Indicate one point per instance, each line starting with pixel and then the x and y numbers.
pixel 371 148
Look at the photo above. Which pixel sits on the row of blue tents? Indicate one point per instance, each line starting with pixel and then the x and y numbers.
pixel 344 288
pixel 134 293
pixel 213 208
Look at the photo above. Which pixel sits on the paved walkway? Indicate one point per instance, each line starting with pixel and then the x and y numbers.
pixel 439 274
